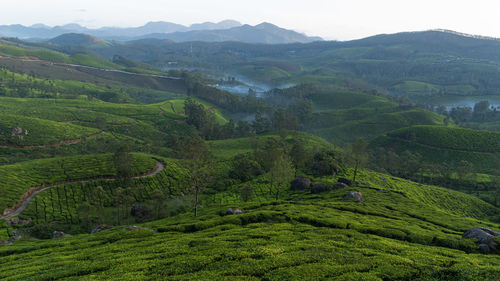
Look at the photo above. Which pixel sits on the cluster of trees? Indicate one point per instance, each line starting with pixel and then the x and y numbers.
pixel 204 121
pixel 410 165
pixel 197 87
pixel 481 112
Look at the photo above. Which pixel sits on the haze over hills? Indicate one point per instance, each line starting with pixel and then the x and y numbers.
pixel 228 30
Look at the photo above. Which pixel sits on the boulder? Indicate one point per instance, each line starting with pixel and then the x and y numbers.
pixel 300 184
pixel 485 238
pixel 239 211
pixel 142 212
pixel 16 131
pixel 362 183
pixel 135 228
pixel 354 195
pixel 19 222
pixel 232 211
pixel 345 181
pixel 101 228
pixel 318 188
pixel 59 234
pixel 341 185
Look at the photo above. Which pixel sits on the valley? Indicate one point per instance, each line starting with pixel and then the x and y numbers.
pixel 282 158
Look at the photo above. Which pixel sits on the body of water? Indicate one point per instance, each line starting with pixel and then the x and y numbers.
pixel 459 101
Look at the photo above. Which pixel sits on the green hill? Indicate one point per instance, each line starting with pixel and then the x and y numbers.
pixel 392 235
pixel 19 178
pixel 76 39
pixel 438 144
pixel 18 130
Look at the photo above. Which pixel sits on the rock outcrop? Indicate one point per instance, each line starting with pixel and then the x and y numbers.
pixel 59 234
pixel 344 181
pixel 232 211
pixel 101 228
pixel 354 195
pixel 300 184
pixel 485 238
pixel 318 188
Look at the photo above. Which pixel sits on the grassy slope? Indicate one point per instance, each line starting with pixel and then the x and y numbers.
pixel 18 178
pixel 39 131
pixel 177 107
pixel 56 206
pixel 226 149
pixel 393 235
pixel 143 122
pixel 437 144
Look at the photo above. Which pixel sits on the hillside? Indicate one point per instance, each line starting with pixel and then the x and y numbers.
pixel 264 33
pixel 390 236
pixel 113 169
pixel 75 39
pixel 409 63
pixel 452 145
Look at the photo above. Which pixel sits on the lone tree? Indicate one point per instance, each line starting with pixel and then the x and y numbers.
pixel 357 156
pixel 199 162
pixel 123 164
pixel 298 154
pixel 464 169
pixel 282 172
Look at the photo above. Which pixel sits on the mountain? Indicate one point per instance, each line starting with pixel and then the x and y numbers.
pixel 228 30
pixel 226 24
pixel 42 31
pixel 264 33
pixel 76 39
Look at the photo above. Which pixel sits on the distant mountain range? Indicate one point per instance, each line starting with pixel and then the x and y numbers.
pixel 228 30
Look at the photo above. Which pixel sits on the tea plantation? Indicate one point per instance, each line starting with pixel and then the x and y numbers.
pixel 393 235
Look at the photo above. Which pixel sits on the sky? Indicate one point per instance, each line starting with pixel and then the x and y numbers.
pixel 330 19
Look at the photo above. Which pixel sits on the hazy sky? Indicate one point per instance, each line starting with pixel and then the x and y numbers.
pixel 331 19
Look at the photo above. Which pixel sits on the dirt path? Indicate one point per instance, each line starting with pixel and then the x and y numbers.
pixel 74 141
pixel 26 198
pixel 34 59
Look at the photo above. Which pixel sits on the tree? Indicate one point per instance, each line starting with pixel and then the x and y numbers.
pixel 261 124
pixel 281 172
pixel 298 154
pixel 123 161
pixel 284 120
pixel 158 198
pixel 464 168
pixel 410 163
pixel 246 192
pixel 481 109
pixel 357 156
pixel 461 114
pixel 326 163
pixel 197 116
pixel 123 202
pixel 244 167
pixel 199 162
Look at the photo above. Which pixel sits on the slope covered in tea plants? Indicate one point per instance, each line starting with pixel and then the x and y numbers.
pixel 392 235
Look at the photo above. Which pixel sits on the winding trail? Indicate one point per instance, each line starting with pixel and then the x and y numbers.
pixel 34 59
pixel 26 198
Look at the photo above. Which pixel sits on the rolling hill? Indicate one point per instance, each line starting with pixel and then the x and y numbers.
pixel 75 39
pixel 392 235
pixel 451 145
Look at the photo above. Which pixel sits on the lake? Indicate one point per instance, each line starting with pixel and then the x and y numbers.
pixel 457 101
